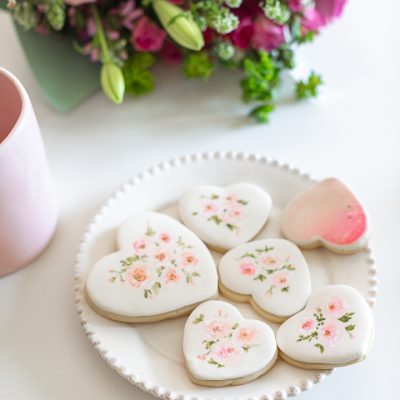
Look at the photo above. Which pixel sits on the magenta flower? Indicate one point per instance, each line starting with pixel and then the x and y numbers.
pixel 170 53
pixel 267 35
pixel 147 36
pixel 78 2
pixel 295 5
pixel 330 9
pixel 242 35
pixel 312 20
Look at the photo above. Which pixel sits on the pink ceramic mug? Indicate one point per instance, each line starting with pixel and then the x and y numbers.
pixel 28 211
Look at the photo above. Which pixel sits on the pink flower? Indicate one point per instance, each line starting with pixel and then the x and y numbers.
pixel 171 53
pixel 165 237
pixel 308 325
pixel 268 261
pixel 337 306
pixel 281 279
pixel 330 334
pixel 295 5
pixel 226 351
pixel 137 276
pixel 246 336
pixel 78 2
pixel 231 198
pixel 267 35
pixel 247 269
pixel 235 213
pixel 222 313
pixel 128 13
pixel 218 329
pixel 312 20
pixel 210 207
pixel 147 36
pixel 171 275
pixel 330 9
pixel 161 256
pixel 188 259
pixel 242 35
pixel 141 246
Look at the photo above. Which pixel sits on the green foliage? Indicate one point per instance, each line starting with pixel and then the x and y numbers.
pixel 55 13
pixel 308 88
pixel 26 15
pixel 198 65
pixel 261 113
pixel 276 10
pixel 138 79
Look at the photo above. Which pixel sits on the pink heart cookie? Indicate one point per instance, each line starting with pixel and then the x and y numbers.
pixel 326 214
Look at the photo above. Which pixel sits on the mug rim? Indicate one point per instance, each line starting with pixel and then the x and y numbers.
pixel 23 95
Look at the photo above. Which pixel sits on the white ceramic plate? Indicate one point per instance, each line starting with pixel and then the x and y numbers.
pixel 150 355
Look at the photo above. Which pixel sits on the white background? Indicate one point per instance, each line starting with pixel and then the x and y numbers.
pixel 351 131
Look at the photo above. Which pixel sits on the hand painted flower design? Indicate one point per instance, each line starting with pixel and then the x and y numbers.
pixel 227 211
pixel 226 341
pixel 326 330
pixel 158 259
pixel 263 266
pixel 247 269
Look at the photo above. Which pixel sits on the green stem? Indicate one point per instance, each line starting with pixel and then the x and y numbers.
pixel 99 30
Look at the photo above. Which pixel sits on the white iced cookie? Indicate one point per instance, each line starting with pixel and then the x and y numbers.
pixel 271 274
pixel 222 348
pixel 334 330
pixel 225 217
pixel 161 270
pixel 326 214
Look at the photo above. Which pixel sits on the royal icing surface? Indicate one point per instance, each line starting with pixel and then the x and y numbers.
pixel 327 213
pixel 225 217
pixel 335 328
pixel 220 344
pixel 161 266
pixel 273 271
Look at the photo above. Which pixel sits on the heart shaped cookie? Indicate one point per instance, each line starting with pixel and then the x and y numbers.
pixel 225 217
pixel 222 348
pixel 271 274
pixel 334 330
pixel 161 270
pixel 326 214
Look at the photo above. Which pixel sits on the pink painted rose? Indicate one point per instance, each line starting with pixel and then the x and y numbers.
pixel 210 207
pixel 236 213
pixel 281 279
pixel 188 259
pixel 246 336
pixel 218 329
pixel 231 198
pixel 330 334
pixel 147 36
pixel 223 314
pixel 141 245
pixel 268 261
pixel 241 36
pixel 247 268
pixel 76 3
pixel 138 275
pixel 308 325
pixel 337 306
pixel 225 351
pixel 171 275
pixel 165 237
pixel 267 35
pixel 162 256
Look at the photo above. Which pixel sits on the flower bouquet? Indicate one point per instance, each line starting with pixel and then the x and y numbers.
pixel 257 37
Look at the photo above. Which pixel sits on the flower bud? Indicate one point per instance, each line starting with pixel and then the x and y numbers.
pixel 179 25
pixel 113 83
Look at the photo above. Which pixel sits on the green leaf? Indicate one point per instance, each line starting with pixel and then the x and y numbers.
pixel 245 348
pixel 150 231
pixel 320 347
pixel 265 249
pixel 261 113
pixel 247 255
pixel 285 289
pixel 243 202
pixel 198 319
pixel 260 277
pixel 231 227
pixel 308 88
pixel 346 317
pixel 350 328
pixel 216 219
pixel 214 362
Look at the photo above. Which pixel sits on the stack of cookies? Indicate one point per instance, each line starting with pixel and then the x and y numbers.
pixel 164 269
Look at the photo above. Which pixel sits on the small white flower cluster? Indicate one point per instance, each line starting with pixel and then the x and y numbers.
pixel 224 22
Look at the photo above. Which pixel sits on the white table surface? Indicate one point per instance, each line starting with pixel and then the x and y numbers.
pixel 351 131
